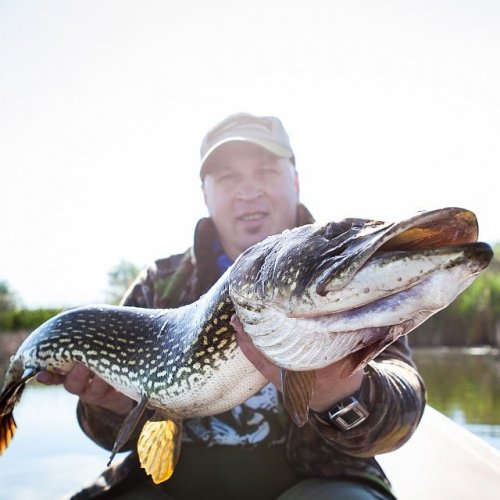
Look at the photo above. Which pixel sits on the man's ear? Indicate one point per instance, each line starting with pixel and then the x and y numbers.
pixel 296 183
pixel 203 191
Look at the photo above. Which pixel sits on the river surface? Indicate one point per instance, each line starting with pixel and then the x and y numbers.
pixel 465 386
pixel 50 457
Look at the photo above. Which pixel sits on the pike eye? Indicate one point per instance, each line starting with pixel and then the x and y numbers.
pixel 333 230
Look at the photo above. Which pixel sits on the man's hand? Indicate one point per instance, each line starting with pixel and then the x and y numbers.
pixel 89 388
pixel 330 386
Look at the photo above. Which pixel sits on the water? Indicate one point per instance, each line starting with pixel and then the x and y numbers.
pixel 50 457
pixel 465 386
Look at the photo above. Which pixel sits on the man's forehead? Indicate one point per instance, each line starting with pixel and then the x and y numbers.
pixel 229 156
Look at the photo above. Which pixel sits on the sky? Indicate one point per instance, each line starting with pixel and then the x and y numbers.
pixel 391 107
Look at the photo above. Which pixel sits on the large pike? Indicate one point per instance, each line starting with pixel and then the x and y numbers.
pixel 307 297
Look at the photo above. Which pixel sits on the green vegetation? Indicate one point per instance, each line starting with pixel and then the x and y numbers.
pixel 120 278
pixel 24 319
pixel 14 318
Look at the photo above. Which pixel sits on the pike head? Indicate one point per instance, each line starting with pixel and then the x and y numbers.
pixel 315 294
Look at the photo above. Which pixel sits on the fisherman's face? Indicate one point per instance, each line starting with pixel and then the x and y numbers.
pixel 250 194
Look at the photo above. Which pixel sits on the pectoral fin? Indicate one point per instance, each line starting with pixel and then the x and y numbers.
pixel 386 336
pixel 158 448
pixel 127 428
pixel 359 359
pixel 297 392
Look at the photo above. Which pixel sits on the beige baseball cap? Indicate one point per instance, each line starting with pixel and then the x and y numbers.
pixel 264 131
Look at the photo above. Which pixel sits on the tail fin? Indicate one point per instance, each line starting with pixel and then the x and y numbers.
pixel 7 429
pixel 8 399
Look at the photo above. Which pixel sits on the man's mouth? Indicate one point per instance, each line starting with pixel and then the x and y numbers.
pixel 252 216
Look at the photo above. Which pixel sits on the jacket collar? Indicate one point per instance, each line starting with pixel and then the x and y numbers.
pixel 204 254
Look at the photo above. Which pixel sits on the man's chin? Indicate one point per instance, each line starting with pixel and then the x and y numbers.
pixel 254 237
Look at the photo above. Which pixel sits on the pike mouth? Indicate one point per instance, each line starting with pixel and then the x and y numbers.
pixel 454 264
pixel 397 276
pixel 425 231
pixel 318 337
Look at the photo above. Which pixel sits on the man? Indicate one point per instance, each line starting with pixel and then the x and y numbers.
pixel 251 190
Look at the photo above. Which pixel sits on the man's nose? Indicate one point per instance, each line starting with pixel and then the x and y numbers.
pixel 250 189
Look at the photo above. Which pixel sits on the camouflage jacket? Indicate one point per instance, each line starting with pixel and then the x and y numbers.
pixel 317 449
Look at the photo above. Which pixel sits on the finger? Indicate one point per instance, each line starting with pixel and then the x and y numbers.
pixel 48 378
pixel 236 324
pixel 96 389
pixel 244 340
pixel 266 367
pixel 77 379
pixel 99 392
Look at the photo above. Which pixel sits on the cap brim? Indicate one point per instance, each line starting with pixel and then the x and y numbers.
pixel 271 146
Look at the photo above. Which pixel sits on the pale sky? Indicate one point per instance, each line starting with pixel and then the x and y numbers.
pixel 391 107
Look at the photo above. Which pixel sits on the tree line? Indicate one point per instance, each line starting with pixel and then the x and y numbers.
pixel 14 317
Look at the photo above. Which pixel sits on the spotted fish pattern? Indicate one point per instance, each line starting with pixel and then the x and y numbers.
pixel 130 349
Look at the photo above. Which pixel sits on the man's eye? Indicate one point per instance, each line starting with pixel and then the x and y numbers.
pixel 229 177
pixel 269 172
